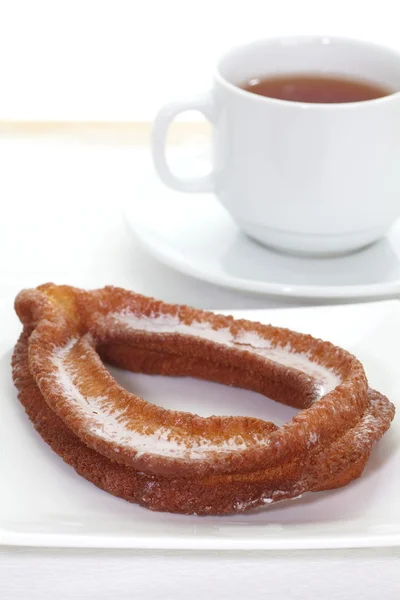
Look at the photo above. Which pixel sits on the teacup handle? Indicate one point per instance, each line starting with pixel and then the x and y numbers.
pixel 204 104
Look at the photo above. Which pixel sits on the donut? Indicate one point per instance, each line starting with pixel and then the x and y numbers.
pixel 177 461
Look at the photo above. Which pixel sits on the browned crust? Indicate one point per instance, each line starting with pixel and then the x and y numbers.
pixel 54 314
pixel 336 466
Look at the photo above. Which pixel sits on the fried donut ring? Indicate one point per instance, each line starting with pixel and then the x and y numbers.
pixel 169 460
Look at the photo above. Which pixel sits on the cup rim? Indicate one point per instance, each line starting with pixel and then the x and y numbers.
pixel 221 80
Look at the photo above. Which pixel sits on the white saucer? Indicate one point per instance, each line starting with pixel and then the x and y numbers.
pixel 195 235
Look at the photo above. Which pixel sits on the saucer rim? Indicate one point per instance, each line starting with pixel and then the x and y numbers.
pixel 366 291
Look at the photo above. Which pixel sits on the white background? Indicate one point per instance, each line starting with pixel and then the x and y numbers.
pixel 119 60
pixel 115 60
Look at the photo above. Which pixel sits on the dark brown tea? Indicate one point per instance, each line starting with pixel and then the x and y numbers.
pixel 322 89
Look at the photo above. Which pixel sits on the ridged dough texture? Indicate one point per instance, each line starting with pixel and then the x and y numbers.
pixel 177 461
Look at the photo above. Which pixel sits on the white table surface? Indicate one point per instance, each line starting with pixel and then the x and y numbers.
pixel 61 199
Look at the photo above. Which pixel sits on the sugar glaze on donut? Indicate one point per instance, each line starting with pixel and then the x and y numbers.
pixel 326 379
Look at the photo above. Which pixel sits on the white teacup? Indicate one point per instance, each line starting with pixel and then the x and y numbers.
pixel 306 178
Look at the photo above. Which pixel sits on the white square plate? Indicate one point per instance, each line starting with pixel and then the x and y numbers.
pixel 43 502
